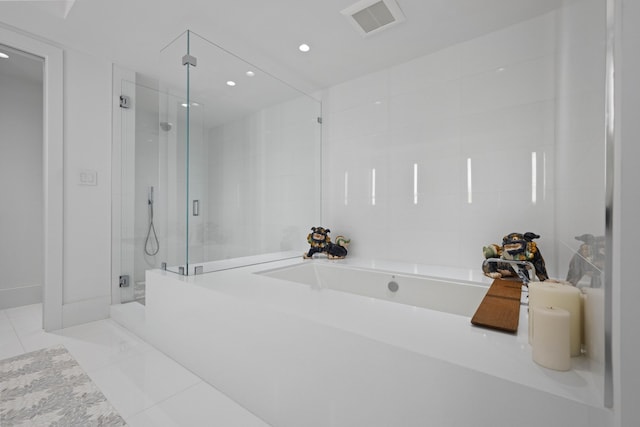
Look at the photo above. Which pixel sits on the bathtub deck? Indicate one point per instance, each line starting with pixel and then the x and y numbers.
pixel 285 351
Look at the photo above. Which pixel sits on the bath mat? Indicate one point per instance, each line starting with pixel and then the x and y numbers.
pixel 48 388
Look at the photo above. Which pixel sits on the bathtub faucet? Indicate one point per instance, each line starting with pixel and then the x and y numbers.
pixel 515 264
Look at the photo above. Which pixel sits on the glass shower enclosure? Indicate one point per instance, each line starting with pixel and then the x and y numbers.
pixel 222 170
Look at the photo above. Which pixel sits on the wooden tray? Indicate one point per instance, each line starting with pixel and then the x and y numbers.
pixel 504 289
pixel 500 307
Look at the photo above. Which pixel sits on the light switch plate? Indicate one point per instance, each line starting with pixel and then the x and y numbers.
pixel 87 177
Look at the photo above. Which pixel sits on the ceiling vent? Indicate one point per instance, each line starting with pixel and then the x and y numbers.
pixel 372 16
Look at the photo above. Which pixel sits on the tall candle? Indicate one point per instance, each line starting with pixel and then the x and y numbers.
pixel 583 332
pixel 551 332
pixel 558 295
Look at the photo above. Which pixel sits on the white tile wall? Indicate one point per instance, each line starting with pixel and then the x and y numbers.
pixel 580 136
pixel 496 99
pixel 263 181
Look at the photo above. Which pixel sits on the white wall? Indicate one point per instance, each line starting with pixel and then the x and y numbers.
pixel 494 100
pixel 580 130
pixel 87 209
pixel 580 154
pixel 21 211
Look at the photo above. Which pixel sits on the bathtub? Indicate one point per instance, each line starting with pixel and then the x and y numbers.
pixel 449 296
pixel 320 343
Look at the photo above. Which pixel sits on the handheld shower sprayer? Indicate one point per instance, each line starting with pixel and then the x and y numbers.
pixel 151 244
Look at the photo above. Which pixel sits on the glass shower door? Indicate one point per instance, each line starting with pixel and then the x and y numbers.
pixel 153 169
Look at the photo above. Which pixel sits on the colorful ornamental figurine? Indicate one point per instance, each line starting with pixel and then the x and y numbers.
pixel 588 260
pixel 321 242
pixel 515 247
pixel 338 250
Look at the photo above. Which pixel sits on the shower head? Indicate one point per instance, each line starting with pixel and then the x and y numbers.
pixel 166 126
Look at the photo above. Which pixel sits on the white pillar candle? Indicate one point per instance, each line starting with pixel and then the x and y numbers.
pixel 558 295
pixel 551 332
pixel 583 304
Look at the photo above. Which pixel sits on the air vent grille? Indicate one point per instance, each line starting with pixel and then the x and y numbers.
pixel 372 16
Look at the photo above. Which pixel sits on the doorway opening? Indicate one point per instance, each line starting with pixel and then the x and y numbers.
pixel 51 240
pixel 21 177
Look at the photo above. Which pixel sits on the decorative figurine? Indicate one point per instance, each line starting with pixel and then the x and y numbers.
pixel 321 242
pixel 588 260
pixel 318 239
pixel 515 247
pixel 338 250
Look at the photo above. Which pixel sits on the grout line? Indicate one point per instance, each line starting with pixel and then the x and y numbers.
pixel 127 419
pixel 18 337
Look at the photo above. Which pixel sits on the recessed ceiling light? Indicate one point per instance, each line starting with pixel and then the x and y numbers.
pixel 231 83
pixel 250 74
pixel 304 47
pixel 195 104
pixel 184 104
pixel 4 55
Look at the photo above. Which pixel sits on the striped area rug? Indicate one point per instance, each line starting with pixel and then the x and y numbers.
pixel 48 388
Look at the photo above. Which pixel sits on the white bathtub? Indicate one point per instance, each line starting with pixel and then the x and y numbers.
pixel 296 352
pixel 449 296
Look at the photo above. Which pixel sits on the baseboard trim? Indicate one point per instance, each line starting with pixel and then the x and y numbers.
pixel 23 295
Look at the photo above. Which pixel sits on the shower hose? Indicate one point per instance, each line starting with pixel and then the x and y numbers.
pixel 152 237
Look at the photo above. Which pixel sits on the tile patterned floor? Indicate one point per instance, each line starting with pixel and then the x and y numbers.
pixel 145 386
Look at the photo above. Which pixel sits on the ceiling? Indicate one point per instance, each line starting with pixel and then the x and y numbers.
pixel 131 33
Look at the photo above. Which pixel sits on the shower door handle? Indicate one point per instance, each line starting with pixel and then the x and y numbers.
pixel 196 208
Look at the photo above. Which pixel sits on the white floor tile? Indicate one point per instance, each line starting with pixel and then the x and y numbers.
pixel 6 331
pixel 37 340
pixel 200 405
pixel 33 310
pixel 5 323
pixel 25 321
pixel 141 381
pixel 10 346
pixel 102 343
pixel 145 386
